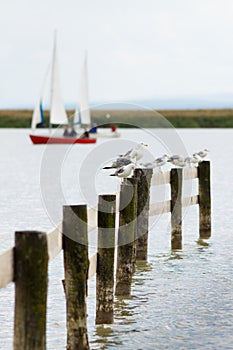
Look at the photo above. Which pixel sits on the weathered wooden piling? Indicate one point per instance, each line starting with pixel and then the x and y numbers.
pixel 30 277
pixel 204 199
pixel 176 208
pixel 105 259
pixel 126 236
pixel 143 177
pixel 75 246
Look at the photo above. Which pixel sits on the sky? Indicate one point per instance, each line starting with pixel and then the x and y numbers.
pixel 137 49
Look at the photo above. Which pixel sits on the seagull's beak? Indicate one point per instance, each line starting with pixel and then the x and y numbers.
pixel 145 144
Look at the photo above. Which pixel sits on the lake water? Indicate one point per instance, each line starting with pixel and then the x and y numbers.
pixel 181 300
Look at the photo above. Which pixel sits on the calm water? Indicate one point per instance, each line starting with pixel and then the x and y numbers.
pixel 179 301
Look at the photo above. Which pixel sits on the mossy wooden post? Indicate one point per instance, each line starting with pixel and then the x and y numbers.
pixel 126 236
pixel 204 199
pixel 143 177
pixel 75 246
pixel 105 259
pixel 176 208
pixel 30 276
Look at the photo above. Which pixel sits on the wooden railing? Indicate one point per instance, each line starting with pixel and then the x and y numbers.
pixel 27 263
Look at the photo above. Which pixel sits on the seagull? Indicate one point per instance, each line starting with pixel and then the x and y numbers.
pixel 136 152
pixel 161 161
pixel 180 162
pixel 119 162
pixel 125 171
pixel 174 158
pixel 148 165
pixel 177 160
pixel 195 159
pixel 157 163
pixel 203 153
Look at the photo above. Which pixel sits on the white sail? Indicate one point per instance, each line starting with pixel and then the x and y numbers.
pixel 57 111
pixel 37 113
pixel 83 104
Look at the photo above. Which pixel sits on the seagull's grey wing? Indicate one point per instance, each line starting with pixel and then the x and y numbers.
pixel 122 162
pixel 128 153
pixel 143 165
pixel 146 165
pixel 176 156
pixel 118 163
pixel 112 166
pixel 120 171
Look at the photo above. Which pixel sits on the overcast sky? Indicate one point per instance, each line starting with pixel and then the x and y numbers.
pixel 137 49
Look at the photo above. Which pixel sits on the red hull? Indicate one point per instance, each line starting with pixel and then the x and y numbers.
pixel 38 140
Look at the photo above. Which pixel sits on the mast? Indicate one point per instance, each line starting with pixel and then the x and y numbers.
pixel 52 75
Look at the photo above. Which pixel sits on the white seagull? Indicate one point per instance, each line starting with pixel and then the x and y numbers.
pixel 125 171
pixel 157 163
pixel 195 159
pixel 203 153
pixel 119 162
pixel 136 152
pixel 177 160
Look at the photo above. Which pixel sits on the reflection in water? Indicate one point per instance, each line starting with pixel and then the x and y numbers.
pixel 104 336
pixel 143 266
pixel 175 256
pixel 203 243
pixel 123 308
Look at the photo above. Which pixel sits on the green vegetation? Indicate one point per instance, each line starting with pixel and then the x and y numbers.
pixel 143 118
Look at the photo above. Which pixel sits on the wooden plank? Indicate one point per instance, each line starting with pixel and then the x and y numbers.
pixel 54 241
pixel 164 178
pixel 158 208
pixel 190 173
pixel 92 217
pixel 160 178
pixel 186 202
pixel 6 267
pixel 92 265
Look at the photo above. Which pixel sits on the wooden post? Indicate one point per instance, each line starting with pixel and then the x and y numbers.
pixel 75 245
pixel 30 276
pixel 176 208
pixel 105 259
pixel 143 177
pixel 126 236
pixel 204 199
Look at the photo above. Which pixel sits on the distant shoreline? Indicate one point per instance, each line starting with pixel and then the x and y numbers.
pixel 196 118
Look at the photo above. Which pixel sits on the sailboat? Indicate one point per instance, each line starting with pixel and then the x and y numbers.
pixel 82 116
pixel 57 114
